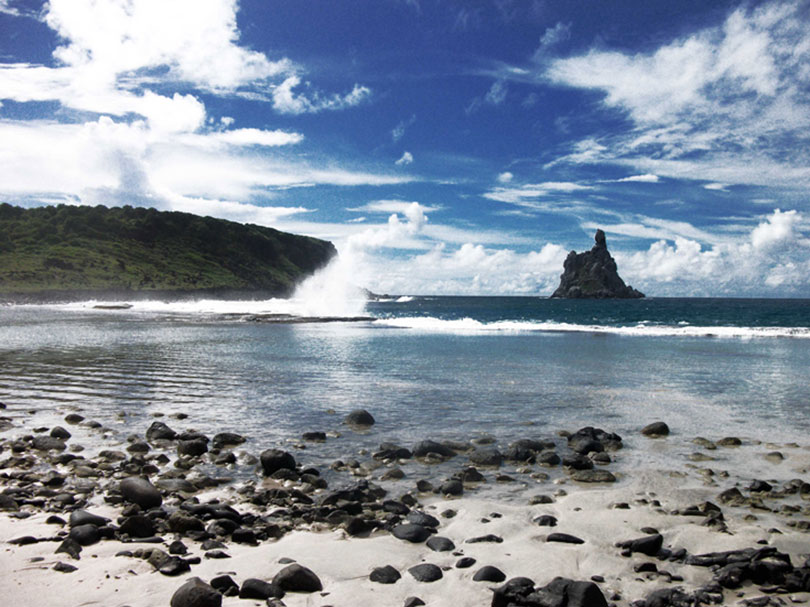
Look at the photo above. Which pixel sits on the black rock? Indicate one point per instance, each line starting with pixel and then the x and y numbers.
pixel 48 443
pixel 488 573
pixel 669 597
pixel 422 518
pixel 196 593
pixel 760 487
pixel 411 532
pixel 177 547
pixel 140 491
pixel 515 592
pixel 137 525
pixel 548 458
pixel 224 584
pixel 274 460
pixel 70 547
pixel 489 538
pixel 174 566
pixel 426 447
pixel 593 274
pixel 564 538
pixel 253 588
pixel 85 535
pixel 487 456
pixel 160 431
pixel 64 567
pixel 426 572
pixel 585 445
pixel 181 522
pixel 357 526
pixel 82 517
pixel 385 575
pixel 545 520
pixel 440 544
pixel 655 429
pixel 60 433
pixel 577 462
pixel 74 418
pixel 649 545
pixel 227 439
pixel 296 578
pixel 359 417
pixel 465 562
pixel 392 451
pixel 453 487
pixel 193 447
pixel 413 601
pixel 593 476
pixel 315 437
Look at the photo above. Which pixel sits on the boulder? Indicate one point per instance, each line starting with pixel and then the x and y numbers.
pixel 296 578
pixel 655 430
pixel 196 593
pixel 274 460
pixel 426 447
pixel 359 417
pixel 160 431
pixel 410 532
pixel 384 575
pixel 140 491
pixel 426 572
pixel 486 456
pixel 488 573
pixel 253 588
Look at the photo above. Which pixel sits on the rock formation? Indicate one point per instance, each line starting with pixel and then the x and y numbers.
pixel 593 275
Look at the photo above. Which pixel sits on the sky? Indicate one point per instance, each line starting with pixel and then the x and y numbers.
pixel 444 146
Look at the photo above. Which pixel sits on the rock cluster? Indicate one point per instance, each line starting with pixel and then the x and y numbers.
pixel 593 275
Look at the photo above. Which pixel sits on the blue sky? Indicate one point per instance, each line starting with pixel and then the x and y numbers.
pixel 444 146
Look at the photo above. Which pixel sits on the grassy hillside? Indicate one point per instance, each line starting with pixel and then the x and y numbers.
pixel 125 249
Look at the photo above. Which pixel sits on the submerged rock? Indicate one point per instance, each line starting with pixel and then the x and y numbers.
pixel 593 275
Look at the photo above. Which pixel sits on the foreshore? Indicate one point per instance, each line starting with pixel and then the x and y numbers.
pixel 91 517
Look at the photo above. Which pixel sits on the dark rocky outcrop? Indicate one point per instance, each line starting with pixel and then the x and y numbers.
pixel 593 275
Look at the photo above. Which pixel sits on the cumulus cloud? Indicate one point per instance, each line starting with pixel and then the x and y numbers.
pixel 773 259
pixel 405 159
pixel 132 125
pixel 505 177
pixel 287 101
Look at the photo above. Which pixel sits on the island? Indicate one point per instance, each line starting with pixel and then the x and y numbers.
pixel 593 275
pixel 69 253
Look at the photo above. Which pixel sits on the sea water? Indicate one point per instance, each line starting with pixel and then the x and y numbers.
pixel 426 367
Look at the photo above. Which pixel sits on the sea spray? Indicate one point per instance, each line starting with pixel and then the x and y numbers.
pixel 330 292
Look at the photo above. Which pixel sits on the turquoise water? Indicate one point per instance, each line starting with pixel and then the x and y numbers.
pixel 429 367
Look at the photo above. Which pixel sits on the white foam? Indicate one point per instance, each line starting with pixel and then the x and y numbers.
pixel 404 299
pixel 472 326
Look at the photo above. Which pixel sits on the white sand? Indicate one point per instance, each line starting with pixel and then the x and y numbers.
pixel 343 564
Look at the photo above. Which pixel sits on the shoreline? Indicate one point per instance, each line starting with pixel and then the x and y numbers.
pixel 344 530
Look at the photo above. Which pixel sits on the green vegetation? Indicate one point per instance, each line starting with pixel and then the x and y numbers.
pixel 125 249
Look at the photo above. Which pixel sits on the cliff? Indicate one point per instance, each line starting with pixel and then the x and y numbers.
pixel 68 252
pixel 593 275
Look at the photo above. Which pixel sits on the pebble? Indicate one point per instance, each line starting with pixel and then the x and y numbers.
pixel 426 572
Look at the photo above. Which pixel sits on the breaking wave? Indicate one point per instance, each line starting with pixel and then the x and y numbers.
pixel 472 326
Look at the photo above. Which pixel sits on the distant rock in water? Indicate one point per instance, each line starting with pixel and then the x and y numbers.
pixel 593 275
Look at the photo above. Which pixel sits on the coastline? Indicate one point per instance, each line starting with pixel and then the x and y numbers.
pixel 342 538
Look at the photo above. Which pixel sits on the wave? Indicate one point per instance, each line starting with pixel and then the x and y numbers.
pixel 472 326
pixel 294 307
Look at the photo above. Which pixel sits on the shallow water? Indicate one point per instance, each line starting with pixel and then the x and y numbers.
pixel 430 368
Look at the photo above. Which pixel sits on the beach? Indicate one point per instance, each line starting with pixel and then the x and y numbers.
pixel 343 529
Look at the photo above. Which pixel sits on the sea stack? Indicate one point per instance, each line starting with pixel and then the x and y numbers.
pixel 593 275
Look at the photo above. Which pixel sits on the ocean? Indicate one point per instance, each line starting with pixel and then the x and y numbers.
pixel 426 367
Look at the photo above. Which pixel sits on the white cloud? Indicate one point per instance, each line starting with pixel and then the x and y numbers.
pixel 257 137
pixel 505 177
pixel 646 178
pixel 526 193
pixel 725 104
pixel 287 101
pixel 195 40
pixel 398 131
pixel 719 187
pixel 393 206
pixel 496 94
pixel 405 159
pixel 774 260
